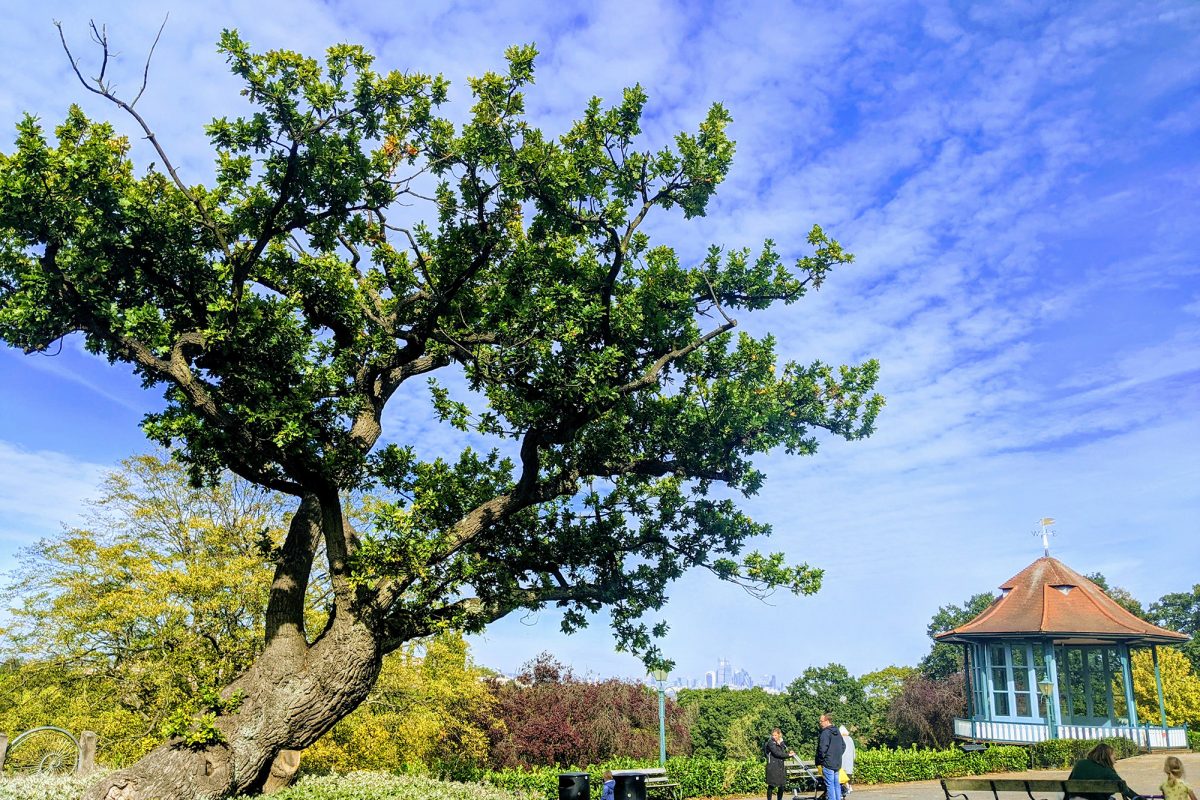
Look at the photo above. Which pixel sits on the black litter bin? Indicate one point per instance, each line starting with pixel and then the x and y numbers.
pixel 630 786
pixel 573 786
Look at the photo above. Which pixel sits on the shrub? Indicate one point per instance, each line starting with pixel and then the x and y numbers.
pixel 538 782
pixel 44 787
pixel 713 777
pixel 1062 753
pixel 548 716
pixel 924 710
pixel 382 786
pixel 1194 739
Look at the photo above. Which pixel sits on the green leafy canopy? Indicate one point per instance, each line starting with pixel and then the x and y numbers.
pixel 282 307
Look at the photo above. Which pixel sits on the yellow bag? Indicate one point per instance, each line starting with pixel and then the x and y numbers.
pixel 843 778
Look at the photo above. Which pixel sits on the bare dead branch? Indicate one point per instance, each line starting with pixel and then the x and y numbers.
pixel 150 55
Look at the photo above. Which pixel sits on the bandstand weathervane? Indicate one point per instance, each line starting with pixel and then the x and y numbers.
pixel 1045 532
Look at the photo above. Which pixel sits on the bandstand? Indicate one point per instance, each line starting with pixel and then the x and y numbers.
pixel 1050 658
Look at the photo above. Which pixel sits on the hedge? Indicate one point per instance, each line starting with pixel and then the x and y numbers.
pixel 1194 739
pixel 885 765
pixel 1063 753
pixel 698 777
pixel 711 777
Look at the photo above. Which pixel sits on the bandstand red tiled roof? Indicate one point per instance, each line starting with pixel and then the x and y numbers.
pixel 1048 598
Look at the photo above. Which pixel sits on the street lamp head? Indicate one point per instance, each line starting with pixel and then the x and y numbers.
pixel 1046 688
pixel 659 675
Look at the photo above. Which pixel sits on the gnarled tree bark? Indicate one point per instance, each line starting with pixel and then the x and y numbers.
pixel 288 704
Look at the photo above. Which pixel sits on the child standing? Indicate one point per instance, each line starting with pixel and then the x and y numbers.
pixel 1173 787
pixel 610 786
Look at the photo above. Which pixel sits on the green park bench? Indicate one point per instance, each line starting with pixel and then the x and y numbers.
pixel 993 787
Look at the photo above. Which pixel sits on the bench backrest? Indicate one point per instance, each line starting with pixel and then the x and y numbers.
pixel 649 772
pixel 1031 785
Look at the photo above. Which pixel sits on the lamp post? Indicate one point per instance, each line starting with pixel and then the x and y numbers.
pixel 660 677
pixel 1047 690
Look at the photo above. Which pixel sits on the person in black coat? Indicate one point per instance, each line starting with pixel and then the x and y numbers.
pixel 829 757
pixel 777 756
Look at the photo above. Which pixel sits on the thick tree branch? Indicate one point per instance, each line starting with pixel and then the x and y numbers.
pixel 242 264
pixel 285 607
pixel 339 547
pixel 531 491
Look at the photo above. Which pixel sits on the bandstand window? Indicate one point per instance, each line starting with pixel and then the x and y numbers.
pixel 1016 668
pixel 979 682
pixel 1087 682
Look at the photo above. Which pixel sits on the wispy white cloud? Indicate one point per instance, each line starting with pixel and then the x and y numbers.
pixel 39 492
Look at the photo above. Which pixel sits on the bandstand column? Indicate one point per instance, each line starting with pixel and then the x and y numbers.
pixel 1127 679
pixel 1052 700
pixel 1162 706
pixel 967 667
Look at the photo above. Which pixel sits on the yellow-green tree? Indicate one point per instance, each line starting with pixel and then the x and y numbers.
pixel 1181 687
pixel 743 739
pixel 882 687
pixel 120 623
pixel 429 711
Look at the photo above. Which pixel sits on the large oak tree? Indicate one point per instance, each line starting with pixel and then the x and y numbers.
pixel 281 308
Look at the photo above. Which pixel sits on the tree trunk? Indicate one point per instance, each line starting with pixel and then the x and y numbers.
pixel 288 704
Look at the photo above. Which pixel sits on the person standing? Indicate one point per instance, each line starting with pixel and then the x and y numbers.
pixel 847 759
pixel 777 756
pixel 829 756
pixel 610 786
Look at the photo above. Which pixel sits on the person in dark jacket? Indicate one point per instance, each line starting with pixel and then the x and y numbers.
pixel 777 756
pixel 1099 766
pixel 829 756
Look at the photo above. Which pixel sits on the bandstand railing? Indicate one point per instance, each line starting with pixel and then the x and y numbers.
pixel 1148 737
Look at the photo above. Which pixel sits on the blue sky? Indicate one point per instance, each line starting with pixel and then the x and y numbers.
pixel 1019 182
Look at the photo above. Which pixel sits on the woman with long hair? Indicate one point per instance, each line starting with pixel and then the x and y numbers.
pixel 1099 766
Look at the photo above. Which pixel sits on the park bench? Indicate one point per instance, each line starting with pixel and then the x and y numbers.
pixel 656 781
pixel 1051 789
pixel 804 779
